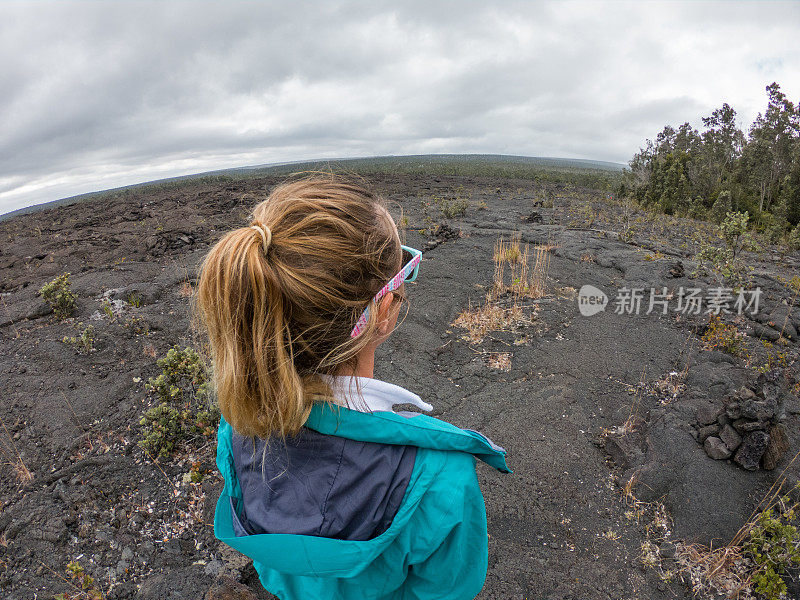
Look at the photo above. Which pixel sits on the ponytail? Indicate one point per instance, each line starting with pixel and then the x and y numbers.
pixel 278 299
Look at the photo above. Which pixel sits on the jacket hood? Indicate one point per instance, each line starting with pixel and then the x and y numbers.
pixel 328 557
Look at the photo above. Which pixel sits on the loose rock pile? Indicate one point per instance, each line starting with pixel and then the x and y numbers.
pixel 747 427
pixel 442 233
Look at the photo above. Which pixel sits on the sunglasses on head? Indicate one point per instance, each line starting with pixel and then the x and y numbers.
pixel 411 259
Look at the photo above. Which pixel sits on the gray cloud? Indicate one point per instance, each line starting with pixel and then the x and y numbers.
pixel 97 95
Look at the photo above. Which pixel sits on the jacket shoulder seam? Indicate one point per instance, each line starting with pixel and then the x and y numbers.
pixel 330 489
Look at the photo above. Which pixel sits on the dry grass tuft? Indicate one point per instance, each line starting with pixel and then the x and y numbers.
pixel 488 317
pixel 499 360
pixel 186 290
pixel 537 283
pixel 526 282
pixel 724 571
pixel 21 472
pixel 14 459
pixel 633 421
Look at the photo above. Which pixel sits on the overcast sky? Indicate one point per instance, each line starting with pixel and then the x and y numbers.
pixel 96 95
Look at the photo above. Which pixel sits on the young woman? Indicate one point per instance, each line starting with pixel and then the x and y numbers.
pixel 332 493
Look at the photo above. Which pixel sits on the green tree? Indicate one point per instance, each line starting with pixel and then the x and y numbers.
pixel 721 170
pixel 767 156
pixel 721 147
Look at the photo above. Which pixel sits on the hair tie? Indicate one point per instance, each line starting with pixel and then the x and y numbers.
pixel 266 234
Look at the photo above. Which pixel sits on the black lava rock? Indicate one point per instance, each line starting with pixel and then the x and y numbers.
pixel 752 449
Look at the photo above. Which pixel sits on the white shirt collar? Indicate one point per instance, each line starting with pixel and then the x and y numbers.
pixel 376 395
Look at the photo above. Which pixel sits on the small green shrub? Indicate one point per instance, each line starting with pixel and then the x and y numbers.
pixel 713 254
pixel 108 308
pixel 185 410
pixel 720 260
pixel 725 260
pixel 724 336
pixel 452 207
pixel 161 430
pixel 59 296
pixel 773 543
pixel 136 325
pixel 85 584
pixel 543 198
pixel 84 342
pixel 164 428
pixel 183 378
pixel 793 238
pixel 732 229
pixel 794 284
pixel 776 359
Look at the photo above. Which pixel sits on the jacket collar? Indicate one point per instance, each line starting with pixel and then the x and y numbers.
pixel 371 395
pixel 409 428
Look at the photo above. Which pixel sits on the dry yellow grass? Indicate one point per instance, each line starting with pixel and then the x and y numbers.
pixel 499 360
pixel 525 281
pixel 186 290
pixel 537 282
pixel 488 317
pixel 21 472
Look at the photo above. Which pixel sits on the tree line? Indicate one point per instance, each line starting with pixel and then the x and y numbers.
pixel 707 174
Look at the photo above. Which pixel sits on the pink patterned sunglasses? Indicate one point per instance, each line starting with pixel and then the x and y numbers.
pixel 412 257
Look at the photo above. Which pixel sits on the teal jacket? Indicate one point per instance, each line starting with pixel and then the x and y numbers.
pixel 436 545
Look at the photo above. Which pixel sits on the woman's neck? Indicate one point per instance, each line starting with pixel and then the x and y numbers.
pixel 365 364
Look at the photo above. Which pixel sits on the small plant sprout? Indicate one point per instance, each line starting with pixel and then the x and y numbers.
pixel 195 475
pixel 83 584
pixel 186 290
pixel 59 296
pixel 135 299
pixel 108 309
pixel 775 358
pixel 83 342
pixel 137 325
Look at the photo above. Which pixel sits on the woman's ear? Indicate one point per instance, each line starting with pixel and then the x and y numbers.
pixel 384 313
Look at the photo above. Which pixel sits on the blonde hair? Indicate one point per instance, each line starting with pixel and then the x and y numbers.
pixel 279 297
